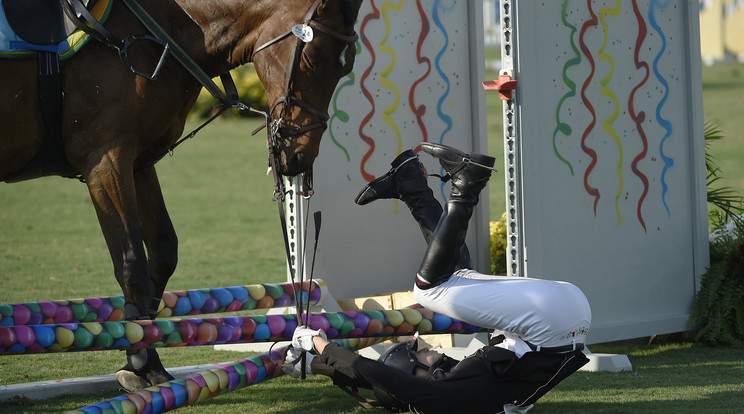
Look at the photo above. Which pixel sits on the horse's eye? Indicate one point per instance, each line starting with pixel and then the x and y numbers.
pixel 307 62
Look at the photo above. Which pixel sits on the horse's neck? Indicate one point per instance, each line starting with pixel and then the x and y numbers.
pixel 230 29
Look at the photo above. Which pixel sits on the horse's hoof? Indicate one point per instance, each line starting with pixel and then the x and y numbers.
pixel 130 381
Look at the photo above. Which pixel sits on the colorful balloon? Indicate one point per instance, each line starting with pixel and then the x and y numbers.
pixel 176 303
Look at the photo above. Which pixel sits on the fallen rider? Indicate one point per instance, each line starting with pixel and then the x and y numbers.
pixel 539 326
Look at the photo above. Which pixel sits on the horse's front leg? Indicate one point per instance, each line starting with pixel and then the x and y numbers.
pixel 112 188
pixel 157 231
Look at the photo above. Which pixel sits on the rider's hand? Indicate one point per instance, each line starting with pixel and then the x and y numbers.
pixel 303 338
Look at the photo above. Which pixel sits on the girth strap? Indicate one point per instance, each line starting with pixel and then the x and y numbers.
pixel 51 158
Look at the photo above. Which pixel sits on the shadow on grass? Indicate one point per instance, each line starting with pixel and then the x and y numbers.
pixel 674 378
pixel 719 402
pixel 667 378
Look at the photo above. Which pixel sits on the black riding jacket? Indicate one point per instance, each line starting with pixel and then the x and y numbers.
pixel 481 383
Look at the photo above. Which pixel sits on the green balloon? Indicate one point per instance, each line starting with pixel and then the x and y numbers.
pixel 336 320
pixel 83 338
pixel 117 302
pixel 90 317
pixel 104 340
pixel 347 327
pixel 174 338
pixel 375 314
pixel 166 326
pixel 116 329
pixel 79 310
pixel 275 291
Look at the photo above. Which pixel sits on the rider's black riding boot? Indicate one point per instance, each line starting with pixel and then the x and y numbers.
pixel 469 174
pixel 406 181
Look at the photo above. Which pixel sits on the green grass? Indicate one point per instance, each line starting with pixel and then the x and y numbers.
pixel 668 378
pixel 220 201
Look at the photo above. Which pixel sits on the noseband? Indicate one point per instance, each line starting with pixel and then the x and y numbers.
pixel 288 99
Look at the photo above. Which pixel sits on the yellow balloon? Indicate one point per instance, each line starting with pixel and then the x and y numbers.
pixel 394 317
pixel 134 332
pixel 203 394
pixel 165 313
pixel 65 337
pixel 213 382
pixel 128 407
pixel 412 316
pixel 425 326
pixel 94 327
pixel 222 377
pixel 256 291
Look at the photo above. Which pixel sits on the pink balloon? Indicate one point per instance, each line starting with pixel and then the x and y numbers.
pixel 21 314
pixel 25 335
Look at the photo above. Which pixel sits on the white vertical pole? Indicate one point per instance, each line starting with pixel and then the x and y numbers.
pixel 512 168
pixel 294 209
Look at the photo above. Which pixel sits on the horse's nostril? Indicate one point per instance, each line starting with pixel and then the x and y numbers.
pixel 295 164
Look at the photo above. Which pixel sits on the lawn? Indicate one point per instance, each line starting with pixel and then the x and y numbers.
pixel 220 201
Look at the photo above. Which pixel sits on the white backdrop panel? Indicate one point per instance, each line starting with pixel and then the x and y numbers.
pixel 416 78
pixel 612 156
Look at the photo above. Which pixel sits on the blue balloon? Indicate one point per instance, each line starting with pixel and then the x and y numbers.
pixel 441 322
pixel 262 332
pixel 183 306
pixel 223 296
pixel 197 299
pixel 44 335
pixel 179 392
pixel 239 293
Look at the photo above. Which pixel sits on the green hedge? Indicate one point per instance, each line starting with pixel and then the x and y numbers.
pixel 498 246
pixel 718 308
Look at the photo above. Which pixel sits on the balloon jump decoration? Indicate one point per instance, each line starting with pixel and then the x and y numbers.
pixel 177 303
pixel 195 387
pixel 357 330
pixel 94 336
pixel 201 386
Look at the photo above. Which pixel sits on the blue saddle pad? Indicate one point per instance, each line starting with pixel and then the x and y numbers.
pixel 13 46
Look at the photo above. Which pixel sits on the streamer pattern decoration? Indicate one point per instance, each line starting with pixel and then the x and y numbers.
pixel 385 73
pixel 438 8
pixel 373 15
pixel 420 110
pixel 668 161
pixel 563 127
pixel 592 191
pixel 639 117
pixel 606 91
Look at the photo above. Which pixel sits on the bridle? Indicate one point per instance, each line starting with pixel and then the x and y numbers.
pixel 288 99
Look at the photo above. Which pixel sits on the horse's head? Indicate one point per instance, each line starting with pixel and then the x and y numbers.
pixel 300 72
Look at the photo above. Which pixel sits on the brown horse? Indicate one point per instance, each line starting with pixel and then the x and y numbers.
pixel 116 124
